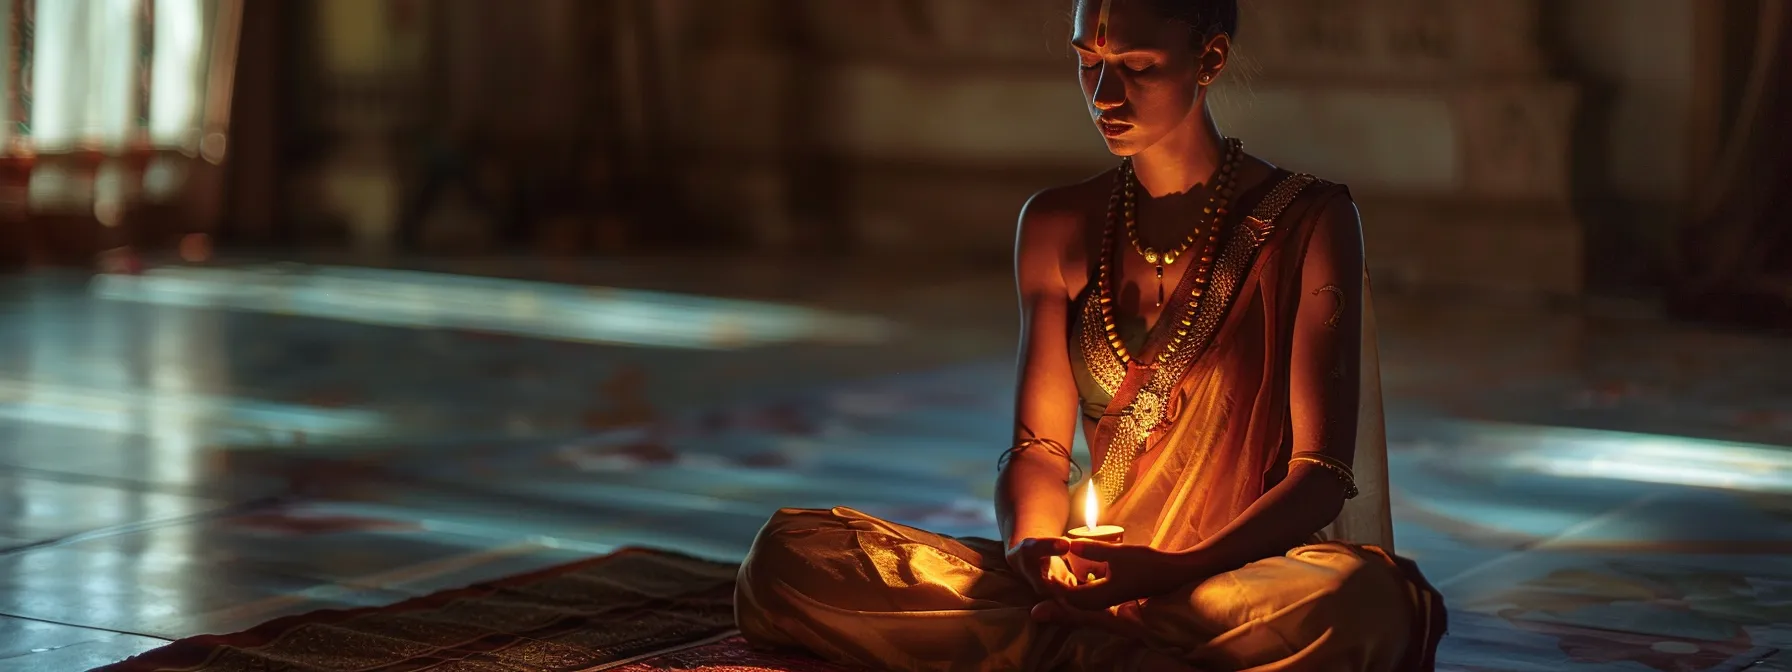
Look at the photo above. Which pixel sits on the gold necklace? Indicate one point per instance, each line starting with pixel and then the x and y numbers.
pixel 1104 287
pixel 1223 181
pixel 1104 283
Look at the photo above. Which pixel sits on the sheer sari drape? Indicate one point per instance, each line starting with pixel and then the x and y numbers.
pixel 1226 440
pixel 855 589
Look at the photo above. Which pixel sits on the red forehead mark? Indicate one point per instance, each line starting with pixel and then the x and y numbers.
pixel 1101 24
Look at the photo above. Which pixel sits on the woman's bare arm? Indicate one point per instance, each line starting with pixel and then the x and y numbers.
pixel 1324 385
pixel 1031 500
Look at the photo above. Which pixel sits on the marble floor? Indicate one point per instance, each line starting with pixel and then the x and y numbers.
pixel 200 449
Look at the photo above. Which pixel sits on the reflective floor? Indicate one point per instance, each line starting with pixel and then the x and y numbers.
pixel 202 449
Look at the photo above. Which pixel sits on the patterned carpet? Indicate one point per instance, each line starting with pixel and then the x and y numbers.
pixel 612 609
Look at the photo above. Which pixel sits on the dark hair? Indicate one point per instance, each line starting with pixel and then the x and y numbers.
pixel 1209 17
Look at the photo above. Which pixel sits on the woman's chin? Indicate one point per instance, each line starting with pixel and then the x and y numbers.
pixel 1122 146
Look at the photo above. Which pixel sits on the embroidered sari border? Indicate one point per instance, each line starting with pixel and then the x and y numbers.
pixel 1122 432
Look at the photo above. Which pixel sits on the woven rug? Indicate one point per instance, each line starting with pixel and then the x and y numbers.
pixel 630 610
pixel 725 653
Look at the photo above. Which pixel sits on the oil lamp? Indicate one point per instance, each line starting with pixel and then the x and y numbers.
pixel 1091 513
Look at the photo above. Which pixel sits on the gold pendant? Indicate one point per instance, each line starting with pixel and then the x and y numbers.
pixel 1147 411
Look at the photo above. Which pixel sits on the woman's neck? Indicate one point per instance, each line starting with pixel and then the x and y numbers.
pixel 1182 160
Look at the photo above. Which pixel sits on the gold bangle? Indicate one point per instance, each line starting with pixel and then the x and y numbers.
pixel 1331 464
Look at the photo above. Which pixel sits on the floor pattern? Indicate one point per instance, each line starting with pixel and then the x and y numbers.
pixel 174 468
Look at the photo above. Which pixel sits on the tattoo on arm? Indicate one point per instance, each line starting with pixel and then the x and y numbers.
pixel 1337 313
pixel 1337 317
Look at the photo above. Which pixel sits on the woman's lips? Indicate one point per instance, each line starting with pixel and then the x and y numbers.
pixel 1111 128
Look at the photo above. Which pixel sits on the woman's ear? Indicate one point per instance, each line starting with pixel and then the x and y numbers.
pixel 1214 55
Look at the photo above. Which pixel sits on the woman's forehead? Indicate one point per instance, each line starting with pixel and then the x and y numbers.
pixel 1121 25
pixel 1122 10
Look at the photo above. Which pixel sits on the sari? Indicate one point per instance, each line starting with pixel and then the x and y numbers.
pixel 855 589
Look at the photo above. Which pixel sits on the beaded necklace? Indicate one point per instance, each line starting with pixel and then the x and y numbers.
pixel 1121 206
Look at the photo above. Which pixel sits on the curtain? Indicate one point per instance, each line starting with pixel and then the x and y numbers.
pixel 1735 259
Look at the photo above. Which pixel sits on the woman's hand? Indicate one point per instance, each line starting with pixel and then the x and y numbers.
pixel 1133 572
pixel 1041 562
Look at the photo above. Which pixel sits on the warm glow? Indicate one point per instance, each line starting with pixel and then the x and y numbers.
pixel 1090 508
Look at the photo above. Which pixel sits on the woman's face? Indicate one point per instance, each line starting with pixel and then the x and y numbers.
pixel 1141 75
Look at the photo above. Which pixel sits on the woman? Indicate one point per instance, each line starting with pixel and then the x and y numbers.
pixel 1207 314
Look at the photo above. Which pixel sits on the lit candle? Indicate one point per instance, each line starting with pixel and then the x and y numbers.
pixel 1089 530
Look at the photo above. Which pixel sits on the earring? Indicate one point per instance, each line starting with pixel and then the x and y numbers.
pixel 1206 79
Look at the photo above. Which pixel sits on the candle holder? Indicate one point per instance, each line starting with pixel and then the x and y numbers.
pixel 1084 570
pixel 1112 534
pixel 1091 531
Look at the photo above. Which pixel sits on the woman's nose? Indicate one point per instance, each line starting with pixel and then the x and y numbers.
pixel 1110 92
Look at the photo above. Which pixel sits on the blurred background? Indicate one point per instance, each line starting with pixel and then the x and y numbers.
pixel 331 302
pixel 1562 149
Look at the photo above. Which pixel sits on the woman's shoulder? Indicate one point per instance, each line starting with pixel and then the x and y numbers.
pixel 1062 214
pixel 1070 202
pixel 1056 224
pixel 1309 212
pixel 1271 176
pixel 1289 189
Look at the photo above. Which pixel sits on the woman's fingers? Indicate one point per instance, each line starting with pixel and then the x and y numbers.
pixel 1059 571
pixel 1039 555
pixel 1039 548
pixel 1040 562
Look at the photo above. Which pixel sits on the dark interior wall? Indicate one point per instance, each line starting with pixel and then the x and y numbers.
pixel 886 126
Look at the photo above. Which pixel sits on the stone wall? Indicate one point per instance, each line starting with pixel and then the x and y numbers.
pixel 884 125
pixel 1459 124
pixel 1442 117
pixel 936 118
pixel 1487 142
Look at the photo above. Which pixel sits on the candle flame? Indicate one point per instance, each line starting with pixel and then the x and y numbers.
pixel 1089 505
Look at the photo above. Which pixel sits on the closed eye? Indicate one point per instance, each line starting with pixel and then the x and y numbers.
pixel 1132 65
pixel 1087 60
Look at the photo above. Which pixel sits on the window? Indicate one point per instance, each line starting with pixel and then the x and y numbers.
pixel 107 74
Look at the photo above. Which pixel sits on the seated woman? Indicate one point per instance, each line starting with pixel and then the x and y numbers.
pixel 1210 312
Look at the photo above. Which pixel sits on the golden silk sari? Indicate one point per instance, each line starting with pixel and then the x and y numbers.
pixel 855 589
pixel 1219 406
